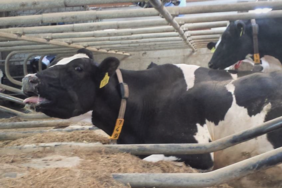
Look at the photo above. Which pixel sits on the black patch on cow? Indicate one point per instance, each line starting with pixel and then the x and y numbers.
pixel 240 73
pixel 213 97
pixel 255 94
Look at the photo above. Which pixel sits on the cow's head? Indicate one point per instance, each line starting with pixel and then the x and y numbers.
pixel 68 88
pixel 235 43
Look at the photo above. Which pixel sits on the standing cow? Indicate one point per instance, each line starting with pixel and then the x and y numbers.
pixel 167 104
pixel 268 63
pixel 237 42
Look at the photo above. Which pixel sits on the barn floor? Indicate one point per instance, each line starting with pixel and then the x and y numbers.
pixel 76 168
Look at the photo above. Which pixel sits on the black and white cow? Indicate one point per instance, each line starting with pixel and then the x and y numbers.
pixel 268 63
pixel 167 104
pixel 235 45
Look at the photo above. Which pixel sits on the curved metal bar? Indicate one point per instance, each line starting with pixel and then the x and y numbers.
pixel 7 69
pixel 208 179
pixel 25 63
pixel 40 62
pixel 7 60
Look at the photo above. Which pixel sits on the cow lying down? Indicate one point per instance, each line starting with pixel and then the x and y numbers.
pixel 167 104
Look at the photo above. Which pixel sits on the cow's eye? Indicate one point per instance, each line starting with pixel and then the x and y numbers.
pixel 79 69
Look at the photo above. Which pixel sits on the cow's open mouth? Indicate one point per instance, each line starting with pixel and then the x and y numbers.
pixel 36 100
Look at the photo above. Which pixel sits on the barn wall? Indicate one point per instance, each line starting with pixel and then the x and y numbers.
pixel 140 60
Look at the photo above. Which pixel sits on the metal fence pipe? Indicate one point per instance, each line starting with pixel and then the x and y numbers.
pixel 92 39
pixel 54 42
pixel 33 124
pixel 28 47
pixel 86 27
pixel 165 44
pixel 131 37
pixel 48 4
pixel 11 98
pixel 238 16
pixel 103 43
pixel 12 89
pixel 7 69
pixel 167 149
pixel 159 48
pixel 208 179
pixel 16 43
pixel 205 40
pixel 205 32
pixel 195 26
pixel 23 115
pixel 13 135
pixel 25 63
pixel 155 48
pixel 147 47
pixel 40 63
pixel 223 7
pixel 158 5
pixel 76 16
pixel 183 149
pixel 186 149
pixel 113 33
pixel 108 14
pixel 204 37
pixel 140 44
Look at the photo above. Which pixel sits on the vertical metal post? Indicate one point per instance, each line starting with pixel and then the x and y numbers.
pixel 25 64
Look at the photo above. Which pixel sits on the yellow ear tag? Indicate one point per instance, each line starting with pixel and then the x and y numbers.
pixel 241 32
pixel 213 50
pixel 105 80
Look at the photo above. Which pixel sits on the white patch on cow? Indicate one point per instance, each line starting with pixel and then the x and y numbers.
pixel 234 76
pixel 218 42
pixel 28 75
pixel 203 136
pixel 66 60
pixel 87 117
pixel 237 120
pixel 189 74
pixel 159 157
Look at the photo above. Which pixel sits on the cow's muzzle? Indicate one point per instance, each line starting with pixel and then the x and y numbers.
pixel 30 85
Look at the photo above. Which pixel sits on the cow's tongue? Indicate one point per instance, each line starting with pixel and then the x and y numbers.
pixel 35 100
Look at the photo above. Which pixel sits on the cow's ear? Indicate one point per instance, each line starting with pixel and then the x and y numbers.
pixel 107 69
pixel 211 46
pixel 240 26
pixel 85 51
